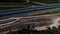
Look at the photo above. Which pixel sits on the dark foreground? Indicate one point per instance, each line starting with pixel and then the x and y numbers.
pixel 27 31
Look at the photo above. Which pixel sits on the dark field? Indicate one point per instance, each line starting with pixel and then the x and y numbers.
pixel 27 31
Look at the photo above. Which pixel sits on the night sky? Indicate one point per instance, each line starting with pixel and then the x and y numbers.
pixel 12 1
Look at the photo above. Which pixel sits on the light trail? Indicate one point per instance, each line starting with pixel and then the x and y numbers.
pixel 52 16
pixel 8 13
pixel 34 17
